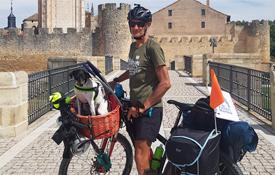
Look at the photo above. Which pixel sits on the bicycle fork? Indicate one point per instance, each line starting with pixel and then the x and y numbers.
pixel 103 161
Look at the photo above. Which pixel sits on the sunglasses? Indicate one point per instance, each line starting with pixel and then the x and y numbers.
pixel 138 23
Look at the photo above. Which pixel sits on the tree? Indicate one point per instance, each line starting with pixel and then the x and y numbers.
pixel 272 39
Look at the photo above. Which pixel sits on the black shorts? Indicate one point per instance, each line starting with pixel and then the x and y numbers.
pixel 146 128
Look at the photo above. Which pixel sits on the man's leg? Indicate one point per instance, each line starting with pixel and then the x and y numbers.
pixel 142 156
pixel 145 130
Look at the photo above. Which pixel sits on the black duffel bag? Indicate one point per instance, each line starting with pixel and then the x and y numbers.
pixel 202 115
pixel 194 151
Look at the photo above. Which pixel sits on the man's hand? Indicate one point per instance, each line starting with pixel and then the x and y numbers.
pixel 133 113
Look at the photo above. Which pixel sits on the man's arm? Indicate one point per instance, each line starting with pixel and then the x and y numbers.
pixel 121 78
pixel 163 85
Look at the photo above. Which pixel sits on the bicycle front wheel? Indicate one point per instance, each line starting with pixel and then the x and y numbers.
pixel 121 160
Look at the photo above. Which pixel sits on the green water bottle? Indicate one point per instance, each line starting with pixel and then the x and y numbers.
pixel 155 163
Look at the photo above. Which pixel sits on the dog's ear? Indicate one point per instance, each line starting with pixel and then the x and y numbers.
pixel 73 73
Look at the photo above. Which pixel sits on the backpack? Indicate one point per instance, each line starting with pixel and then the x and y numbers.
pixel 194 151
pixel 119 91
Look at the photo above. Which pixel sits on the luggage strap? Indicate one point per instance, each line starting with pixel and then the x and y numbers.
pixel 212 135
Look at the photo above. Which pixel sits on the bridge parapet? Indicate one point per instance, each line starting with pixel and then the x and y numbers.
pixel 13 103
pixel 272 79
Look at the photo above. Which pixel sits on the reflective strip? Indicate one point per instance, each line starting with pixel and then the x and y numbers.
pixel 212 135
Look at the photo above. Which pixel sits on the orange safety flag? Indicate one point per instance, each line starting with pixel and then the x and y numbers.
pixel 216 97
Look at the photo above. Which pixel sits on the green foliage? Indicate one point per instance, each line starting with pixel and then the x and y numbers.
pixel 272 39
pixel 240 23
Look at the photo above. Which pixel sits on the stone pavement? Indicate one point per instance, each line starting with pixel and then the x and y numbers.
pixel 35 153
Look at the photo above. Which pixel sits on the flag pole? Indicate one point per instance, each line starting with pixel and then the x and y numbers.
pixel 215 120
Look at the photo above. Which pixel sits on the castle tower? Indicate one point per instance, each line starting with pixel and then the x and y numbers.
pixel 61 14
pixel 11 19
pixel 114 27
pixel 265 43
pixel 92 10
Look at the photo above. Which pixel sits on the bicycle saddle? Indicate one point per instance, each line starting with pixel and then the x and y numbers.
pixel 181 106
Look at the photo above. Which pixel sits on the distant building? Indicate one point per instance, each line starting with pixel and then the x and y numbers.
pixel 61 14
pixel 189 17
pixel 11 19
pixel 31 21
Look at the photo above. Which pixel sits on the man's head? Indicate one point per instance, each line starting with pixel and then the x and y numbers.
pixel 139 19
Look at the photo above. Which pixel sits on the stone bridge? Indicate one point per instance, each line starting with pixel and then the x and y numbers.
pixel 33 152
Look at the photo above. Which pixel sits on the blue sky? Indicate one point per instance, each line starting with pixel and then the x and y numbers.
pixel 238 9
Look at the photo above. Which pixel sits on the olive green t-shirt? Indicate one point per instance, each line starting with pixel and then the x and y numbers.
pixel 142 65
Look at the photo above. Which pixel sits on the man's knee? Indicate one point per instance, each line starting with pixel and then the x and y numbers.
pixel 142 144
pixel 141 147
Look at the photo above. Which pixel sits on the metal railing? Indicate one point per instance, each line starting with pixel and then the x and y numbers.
pixel 188 64
pixel 247 86
pixel 42 84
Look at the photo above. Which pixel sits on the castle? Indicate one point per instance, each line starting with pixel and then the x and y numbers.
pixel 61 14
pixel 109 35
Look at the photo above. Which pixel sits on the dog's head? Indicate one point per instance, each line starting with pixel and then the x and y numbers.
pixel 80 75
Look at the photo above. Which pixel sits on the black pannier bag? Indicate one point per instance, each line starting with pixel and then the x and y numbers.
pixel 194 151
pixel 202 115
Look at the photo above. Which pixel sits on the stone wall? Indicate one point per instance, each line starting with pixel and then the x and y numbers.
pixel 13 103
pixel 12 42
pixel 252 61
pixel 251 38
pixel 199 62
pixel 61 61
pixel 175 46
pixel 186 18
pixel 112 37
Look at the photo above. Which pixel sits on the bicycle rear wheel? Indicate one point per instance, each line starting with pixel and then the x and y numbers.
pixel 121 160
pixel 226 167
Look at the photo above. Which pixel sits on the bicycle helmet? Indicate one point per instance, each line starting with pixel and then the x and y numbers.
pixel 140 13
pixel 57 98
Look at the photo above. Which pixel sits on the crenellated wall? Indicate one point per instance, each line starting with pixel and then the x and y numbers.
pixel 15 42
pixel 175 46
pixel 112 37
pixel 251 38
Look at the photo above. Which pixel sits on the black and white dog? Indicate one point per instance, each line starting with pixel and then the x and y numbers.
pixel 91 91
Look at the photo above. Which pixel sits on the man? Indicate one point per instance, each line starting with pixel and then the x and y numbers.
pixel 149 81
